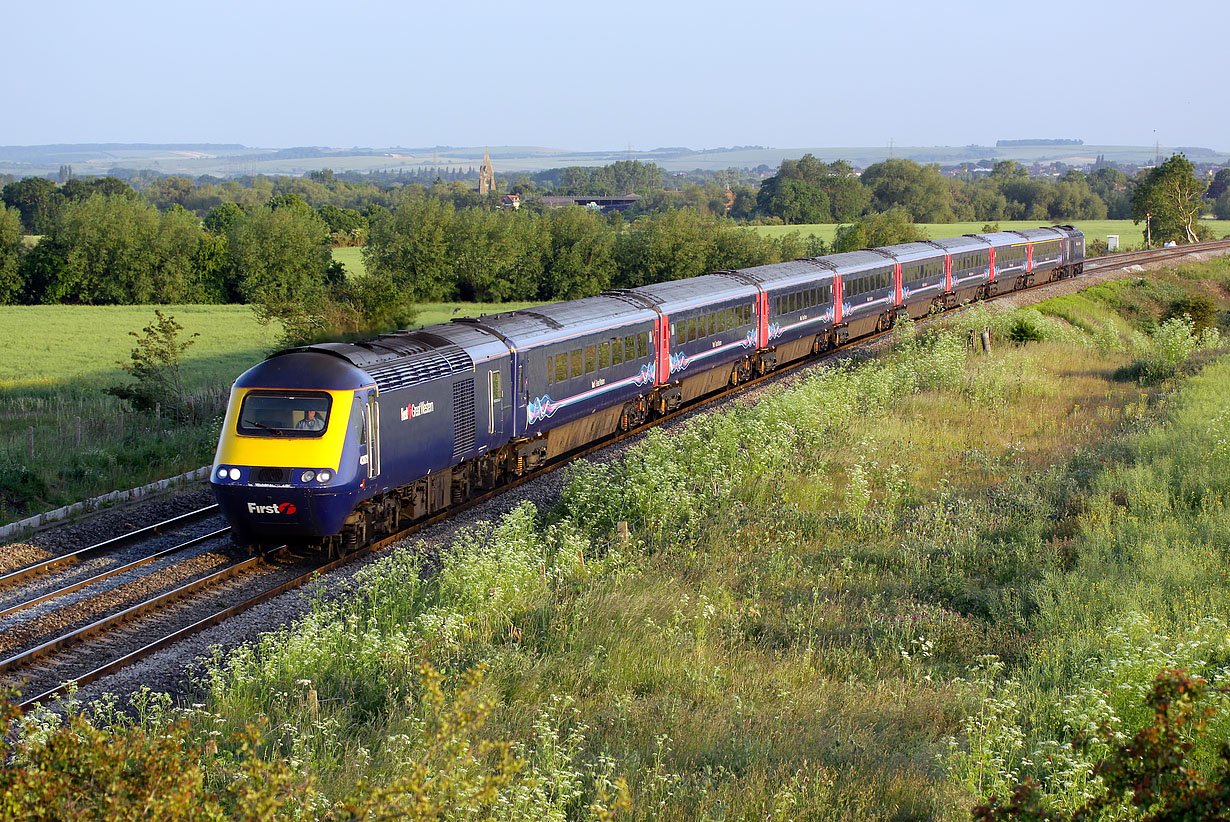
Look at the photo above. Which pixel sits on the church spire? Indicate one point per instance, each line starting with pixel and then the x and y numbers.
pixel 486 175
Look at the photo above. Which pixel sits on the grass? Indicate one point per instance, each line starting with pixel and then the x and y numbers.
pixel 352 258
pixel 1129 234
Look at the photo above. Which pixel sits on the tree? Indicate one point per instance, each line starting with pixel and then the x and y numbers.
pixel 154 364
pixel 410 247
pixel 37 200
pixel 581 257
pixel 1221 208
pixel 795 201
pixel 106 248
pixel 281 258
pixel 1219 185
pixel 12 283
pixel 1169 198
pixel 668 246
pixel 887 228
pixel 920 190
pixel 223 218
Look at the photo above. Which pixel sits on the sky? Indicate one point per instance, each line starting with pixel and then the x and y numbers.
pixel 583 75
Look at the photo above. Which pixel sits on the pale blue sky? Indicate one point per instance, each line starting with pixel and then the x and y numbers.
pixel 586 75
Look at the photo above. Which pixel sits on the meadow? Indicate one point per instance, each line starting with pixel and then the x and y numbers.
pixel 884 591
pixel 1129 234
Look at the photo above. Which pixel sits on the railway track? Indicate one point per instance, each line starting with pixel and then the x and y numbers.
pixel 218 614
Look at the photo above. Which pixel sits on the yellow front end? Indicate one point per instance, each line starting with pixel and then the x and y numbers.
pixel 324 451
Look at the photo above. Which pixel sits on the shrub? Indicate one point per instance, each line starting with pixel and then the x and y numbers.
pixel 1200 309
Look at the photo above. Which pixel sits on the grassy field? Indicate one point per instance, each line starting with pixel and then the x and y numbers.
pixel 352 258
pixel 1129 234
pixel 882 592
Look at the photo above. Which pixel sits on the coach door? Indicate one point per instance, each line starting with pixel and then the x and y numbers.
pixel 498 393
pixel 371 436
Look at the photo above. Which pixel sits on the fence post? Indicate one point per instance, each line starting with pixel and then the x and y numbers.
pixel 30 443
pixel 986 339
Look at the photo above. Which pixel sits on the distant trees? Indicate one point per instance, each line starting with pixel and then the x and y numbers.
pixel 37 200
pixel 10 255
pixel 432 251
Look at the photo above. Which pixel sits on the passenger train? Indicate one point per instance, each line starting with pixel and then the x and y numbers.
pixel 337 443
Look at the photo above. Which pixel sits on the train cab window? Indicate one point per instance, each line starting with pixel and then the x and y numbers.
pixel 604 355
pixel 617 351
pixel 561 367
pixel 630 348
pixel 278 414
pixel 642 345
pixel 577 363
pixel 358 432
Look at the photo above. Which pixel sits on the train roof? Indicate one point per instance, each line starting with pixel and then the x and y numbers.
pixel 957 245
pixel 1036 234
pixel 391 361
pixel 680 295
pixel 778 275
pixel 305 369
pixel 548 323
pixel 908 252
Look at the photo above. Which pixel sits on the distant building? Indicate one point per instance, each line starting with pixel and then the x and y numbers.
pixel 512 201
pixel 486 175
pixel 603 203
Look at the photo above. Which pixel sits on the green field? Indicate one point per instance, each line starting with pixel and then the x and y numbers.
pixel 1129 233
pixel 352 258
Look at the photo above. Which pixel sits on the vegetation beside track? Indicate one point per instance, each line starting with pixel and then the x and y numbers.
pixel 885 591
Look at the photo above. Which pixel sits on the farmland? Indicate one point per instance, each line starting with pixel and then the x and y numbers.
pixel 1129 233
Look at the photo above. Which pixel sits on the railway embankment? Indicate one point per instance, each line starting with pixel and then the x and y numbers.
pixel 886 589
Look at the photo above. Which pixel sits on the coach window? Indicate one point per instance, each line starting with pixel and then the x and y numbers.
pixel 712 323
pixel 617 351
pixel 642 345
pixel 561 367
pixel 577 362
pixel 591 359
pixel 604 355
pixel 691 329
pixel 630 348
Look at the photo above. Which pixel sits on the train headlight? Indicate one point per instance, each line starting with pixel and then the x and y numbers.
pixel 234 473
pixel 324 476
pixel 222 473
pixel 307 476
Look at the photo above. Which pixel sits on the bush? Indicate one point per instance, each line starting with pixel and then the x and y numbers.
pixel 1027 326
pixel 1201 309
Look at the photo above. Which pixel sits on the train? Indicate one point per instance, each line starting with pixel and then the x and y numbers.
pixel 335 444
